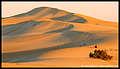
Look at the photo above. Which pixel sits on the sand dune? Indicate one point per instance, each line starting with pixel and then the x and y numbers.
pixel 49 36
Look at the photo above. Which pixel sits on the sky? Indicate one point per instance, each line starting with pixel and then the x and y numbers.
pixel 102 10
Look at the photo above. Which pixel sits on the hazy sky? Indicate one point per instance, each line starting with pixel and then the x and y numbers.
pixel 102 10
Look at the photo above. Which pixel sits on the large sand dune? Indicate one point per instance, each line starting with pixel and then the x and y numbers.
pixel 51 37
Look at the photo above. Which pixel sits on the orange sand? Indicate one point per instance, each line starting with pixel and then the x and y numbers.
pixel 66 57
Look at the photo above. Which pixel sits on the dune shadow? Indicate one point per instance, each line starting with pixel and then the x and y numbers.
pixel 68 18
pixel 61 30
pixel 13 30
pixel 19 28
pixel 32 55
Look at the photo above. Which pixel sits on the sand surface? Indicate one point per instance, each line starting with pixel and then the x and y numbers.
pixel 40 41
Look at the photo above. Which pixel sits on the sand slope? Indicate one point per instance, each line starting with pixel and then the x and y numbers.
pixel 52 37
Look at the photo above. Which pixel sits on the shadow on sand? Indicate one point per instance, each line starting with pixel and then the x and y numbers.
pixel 32 55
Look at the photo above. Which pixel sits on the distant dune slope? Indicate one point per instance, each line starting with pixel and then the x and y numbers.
pixel 34 27
pixel 43 12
